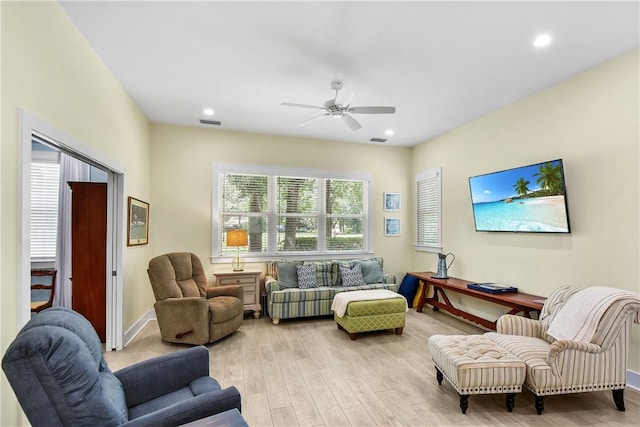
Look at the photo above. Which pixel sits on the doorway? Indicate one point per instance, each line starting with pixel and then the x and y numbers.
pixel 34 128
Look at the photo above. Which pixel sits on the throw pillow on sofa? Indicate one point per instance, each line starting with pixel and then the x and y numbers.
pixel 338 265
pixel 324 272
pixel 287 274
pixel 307 276
pixel 371 271
pixel 352 276
pixel 350 264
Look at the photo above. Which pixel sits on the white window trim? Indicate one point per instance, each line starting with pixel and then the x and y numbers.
pixel 428 174
pixel 248 168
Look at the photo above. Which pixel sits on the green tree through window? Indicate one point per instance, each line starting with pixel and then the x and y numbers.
pixel 291 213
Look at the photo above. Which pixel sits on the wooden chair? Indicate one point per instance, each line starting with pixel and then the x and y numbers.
pixel 37 303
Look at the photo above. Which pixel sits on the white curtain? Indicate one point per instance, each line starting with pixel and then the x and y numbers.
pixel 71 169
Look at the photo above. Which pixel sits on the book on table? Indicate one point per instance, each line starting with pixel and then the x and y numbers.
pixel 492 288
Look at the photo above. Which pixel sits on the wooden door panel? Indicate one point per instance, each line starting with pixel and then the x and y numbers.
pixel 89 252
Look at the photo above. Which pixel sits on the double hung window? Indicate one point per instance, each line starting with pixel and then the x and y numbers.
pixel 290 210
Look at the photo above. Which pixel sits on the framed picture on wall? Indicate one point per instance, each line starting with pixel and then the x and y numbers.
pixel 138 231
pixel 392 226
pixel 391 202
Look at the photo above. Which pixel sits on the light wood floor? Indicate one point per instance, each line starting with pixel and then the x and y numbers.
pixel 306 372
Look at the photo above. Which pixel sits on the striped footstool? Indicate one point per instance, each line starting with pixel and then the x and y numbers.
pixel 364 314
pixel 474 364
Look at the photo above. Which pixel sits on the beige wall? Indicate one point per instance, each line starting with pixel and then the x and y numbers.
pixel 589 121
pixel 182 159
pixel 49 70
pixel 592 122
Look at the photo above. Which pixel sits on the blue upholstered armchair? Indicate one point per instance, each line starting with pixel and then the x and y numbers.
pixel 57 370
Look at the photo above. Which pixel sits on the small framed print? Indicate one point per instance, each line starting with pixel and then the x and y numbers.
pixel 138 231
pixel 391 202
pixel 392 226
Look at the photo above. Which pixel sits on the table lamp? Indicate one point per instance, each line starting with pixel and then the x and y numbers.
pixel 237 238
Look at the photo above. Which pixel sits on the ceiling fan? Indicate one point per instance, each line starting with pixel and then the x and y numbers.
pixel 340 109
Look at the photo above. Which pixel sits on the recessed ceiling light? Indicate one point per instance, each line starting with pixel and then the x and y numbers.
pixel 542 40
pixel 389 132
pixel 208 112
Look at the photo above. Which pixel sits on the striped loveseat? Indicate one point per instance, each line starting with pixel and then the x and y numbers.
pixel 594 360
pixel 285 299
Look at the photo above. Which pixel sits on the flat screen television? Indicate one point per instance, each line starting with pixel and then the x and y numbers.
pixel 526 199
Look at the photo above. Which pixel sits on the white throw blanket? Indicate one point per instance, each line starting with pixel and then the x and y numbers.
pixel 578 319
pixel 342 300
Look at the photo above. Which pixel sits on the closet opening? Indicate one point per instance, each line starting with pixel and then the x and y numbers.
pixel 72 217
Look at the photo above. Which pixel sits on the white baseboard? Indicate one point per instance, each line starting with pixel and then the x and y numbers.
pixel 633 379
pixel 134 330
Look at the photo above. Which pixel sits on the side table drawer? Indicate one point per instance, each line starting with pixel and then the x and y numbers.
pixel 246 280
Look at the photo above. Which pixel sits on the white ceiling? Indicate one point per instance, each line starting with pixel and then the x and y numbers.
pixel 441 64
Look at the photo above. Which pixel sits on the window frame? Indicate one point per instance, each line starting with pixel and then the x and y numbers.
pixel 272 171
pixel 431 174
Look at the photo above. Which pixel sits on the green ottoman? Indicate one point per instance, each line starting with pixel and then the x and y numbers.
pixel 363 314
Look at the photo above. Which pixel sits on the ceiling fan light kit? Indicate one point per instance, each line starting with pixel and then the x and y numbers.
pixel 341 111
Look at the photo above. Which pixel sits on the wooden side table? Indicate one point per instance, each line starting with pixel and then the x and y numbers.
pixel 250 281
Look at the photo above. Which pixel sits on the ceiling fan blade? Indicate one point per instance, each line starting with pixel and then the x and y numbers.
pixel 350 122
pixel 372 110
pixel 345 96
pixel 306 122
pixel 289 104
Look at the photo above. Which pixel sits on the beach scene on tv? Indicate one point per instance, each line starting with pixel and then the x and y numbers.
pixel 525 199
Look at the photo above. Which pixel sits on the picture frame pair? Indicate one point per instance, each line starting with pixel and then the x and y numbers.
pixel 392 203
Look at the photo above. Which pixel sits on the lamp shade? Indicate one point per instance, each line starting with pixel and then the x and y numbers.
pixel 237 238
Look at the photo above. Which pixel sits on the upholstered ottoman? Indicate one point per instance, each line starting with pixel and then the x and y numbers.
pixel 369 310
pixel 473 364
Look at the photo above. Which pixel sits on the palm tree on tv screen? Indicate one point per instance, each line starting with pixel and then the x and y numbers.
pixel 521 187
pixel 550 179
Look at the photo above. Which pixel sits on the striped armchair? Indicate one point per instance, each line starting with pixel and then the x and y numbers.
pixel 593 359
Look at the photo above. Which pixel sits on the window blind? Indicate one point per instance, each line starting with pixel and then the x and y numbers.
pixel 45 177
pixel 244 202
pixel 428 218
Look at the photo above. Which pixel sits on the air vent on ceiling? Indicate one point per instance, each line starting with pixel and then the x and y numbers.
pixel 210 122
pixel 378 140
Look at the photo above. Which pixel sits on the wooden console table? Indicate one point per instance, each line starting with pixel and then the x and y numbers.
pixel 518 301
